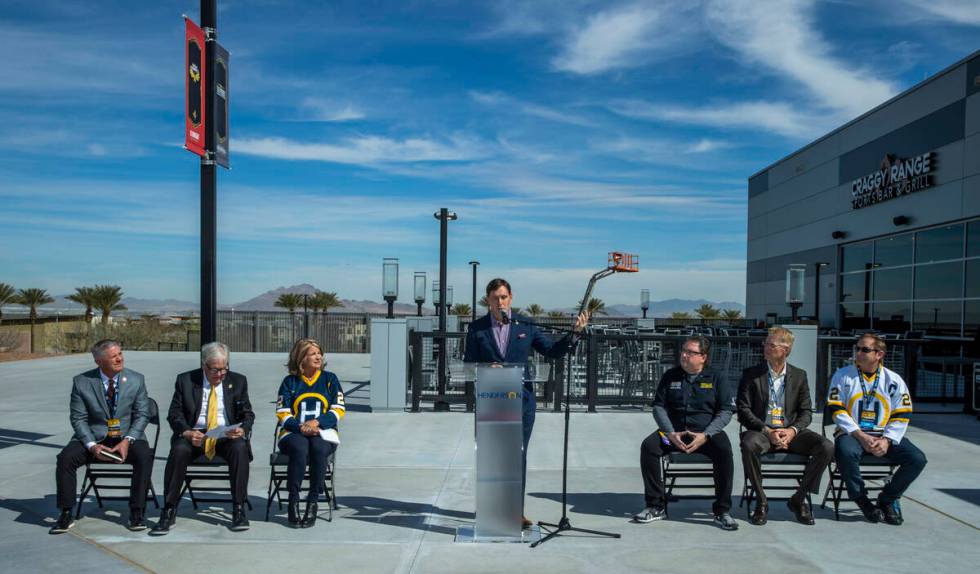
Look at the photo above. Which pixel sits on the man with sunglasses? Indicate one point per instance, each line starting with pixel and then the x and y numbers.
pixel 692 405
pixel 871 406
pixel 774 407
pixel 205 399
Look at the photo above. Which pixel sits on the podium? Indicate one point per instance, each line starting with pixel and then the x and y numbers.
pixel 499 454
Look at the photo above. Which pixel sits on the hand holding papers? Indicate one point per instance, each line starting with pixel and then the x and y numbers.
pixel 219 431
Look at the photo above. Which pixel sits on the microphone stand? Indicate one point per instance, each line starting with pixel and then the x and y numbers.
pixel 564 524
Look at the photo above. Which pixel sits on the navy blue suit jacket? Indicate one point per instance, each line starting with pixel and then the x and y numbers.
pixel 481 347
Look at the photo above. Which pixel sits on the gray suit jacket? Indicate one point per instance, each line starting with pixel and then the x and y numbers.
pixel 90 412
pixel 752 403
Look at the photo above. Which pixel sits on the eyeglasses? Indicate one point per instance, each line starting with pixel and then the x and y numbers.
pixel 690 352
pixel 865 349
pixel 216 371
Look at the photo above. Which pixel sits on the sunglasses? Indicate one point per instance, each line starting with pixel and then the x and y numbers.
pixel 865 349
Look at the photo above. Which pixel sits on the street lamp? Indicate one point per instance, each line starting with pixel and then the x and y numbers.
pixel 449 299
pixel 436 299
pixel 444 216
pixel 645 301
pixel 419 290
pixel 795 274
pixel 475 264
pixel 389 283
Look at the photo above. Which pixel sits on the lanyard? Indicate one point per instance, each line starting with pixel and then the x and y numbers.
pixel 869 397
pixel 775 398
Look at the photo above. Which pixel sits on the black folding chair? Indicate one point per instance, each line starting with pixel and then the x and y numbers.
pixel 278 464
pixel 216 476
pixel 684 466
pixel 874 469
pixel 108 476
pixel 777 469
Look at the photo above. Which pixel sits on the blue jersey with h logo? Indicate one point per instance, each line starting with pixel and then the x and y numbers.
pixel 302 400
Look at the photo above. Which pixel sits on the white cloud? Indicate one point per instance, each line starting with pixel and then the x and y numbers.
pixel 320 110
pixel 781 35
pixel 616 38
pixel 363 150
pixel 498 99
pixel 779 117
pixel 958 11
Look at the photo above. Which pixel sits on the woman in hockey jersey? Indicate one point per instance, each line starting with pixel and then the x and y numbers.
pixel 310 405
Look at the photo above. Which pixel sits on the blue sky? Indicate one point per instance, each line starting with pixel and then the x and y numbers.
pixel 557 131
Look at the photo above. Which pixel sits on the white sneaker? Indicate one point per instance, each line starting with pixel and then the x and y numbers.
pixel 649 514
pixel 725 521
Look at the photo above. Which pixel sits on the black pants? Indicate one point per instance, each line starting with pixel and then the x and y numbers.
pixel 75 455
pixel 182 452
pixel 718 448
pixel 305 450
pixel 808 443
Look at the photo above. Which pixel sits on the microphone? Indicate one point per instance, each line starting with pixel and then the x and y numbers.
pixel 504 319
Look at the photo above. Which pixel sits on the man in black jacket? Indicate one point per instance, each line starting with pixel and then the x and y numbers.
pixel 774 407
pixel 205 399
pixel 692 406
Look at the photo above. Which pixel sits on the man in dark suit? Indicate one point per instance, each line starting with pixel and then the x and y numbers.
pixel 774 407
pixel 205 399
pixel 501 336
pixel 109 411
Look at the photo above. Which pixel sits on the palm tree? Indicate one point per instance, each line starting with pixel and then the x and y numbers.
pixel 289 302
pixel 8 295
pixel 731 314
pixel 84 296
pixel 534 310
pixel 707 311
pixel 595 307
pixel 462 309
pixel 33 297
pixel 680 315
pixel 107 298
pixel 556 315
pixel 324 300
pixel 483 302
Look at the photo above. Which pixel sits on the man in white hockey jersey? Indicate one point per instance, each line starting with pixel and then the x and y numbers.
pixel 871 406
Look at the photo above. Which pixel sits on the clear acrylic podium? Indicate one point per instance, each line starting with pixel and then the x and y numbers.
pixel 499 451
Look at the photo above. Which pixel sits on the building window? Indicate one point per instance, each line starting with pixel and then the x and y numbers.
pixel 939 244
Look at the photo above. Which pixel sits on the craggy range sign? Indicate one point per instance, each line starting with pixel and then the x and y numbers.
pixel 895 177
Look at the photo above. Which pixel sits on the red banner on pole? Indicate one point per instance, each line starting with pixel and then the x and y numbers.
pixel 195 74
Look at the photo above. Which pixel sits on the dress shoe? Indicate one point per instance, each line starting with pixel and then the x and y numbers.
pixel 871 512
pixel 65 521
pixel 761 515
pixel 294 517
pixel 239 520
pixel 890 511
pixel 525 523
pixel 168 517
pixel 801 510
pixel 137 520
pixel 309 517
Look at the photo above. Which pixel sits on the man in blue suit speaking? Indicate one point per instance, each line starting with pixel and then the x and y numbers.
pixel 501 336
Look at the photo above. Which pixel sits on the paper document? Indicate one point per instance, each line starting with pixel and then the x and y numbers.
pixel 111 455
pixel 219 431
pixel 330 435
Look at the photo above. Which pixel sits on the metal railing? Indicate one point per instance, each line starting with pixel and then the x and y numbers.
pixel 276 331
pixel 614 367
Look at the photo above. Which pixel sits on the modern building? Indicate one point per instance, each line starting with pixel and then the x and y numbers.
pixel 890 202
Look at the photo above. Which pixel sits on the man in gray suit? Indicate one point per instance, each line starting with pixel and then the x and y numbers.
pixel 774 406
pixel 109 410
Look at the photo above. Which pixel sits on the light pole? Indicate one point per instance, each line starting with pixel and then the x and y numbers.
pixel 816 291
pixel 389 283
pixel 419 290
pixel 449 299
pixel 444 216
pixel 645 301
pixel 436 298
pixel 475 264
pixel 795 275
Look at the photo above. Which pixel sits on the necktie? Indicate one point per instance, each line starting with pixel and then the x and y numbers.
pixel 111 396
pixel 210 443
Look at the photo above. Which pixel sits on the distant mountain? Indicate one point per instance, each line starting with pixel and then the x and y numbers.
pixel 266 302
